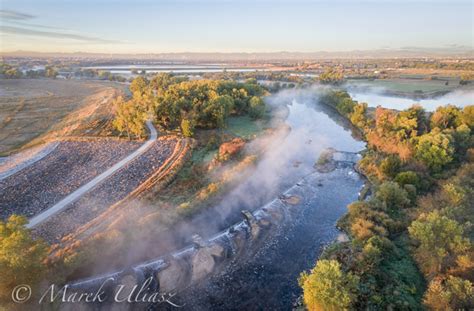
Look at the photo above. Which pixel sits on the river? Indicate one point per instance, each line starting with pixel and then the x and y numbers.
pixel 268 280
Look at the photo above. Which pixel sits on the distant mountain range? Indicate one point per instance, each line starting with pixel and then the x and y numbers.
pixel 406 52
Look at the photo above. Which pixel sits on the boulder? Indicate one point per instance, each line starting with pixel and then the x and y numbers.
pixel 252 223
pixel 202 264
pixel 174 276
pixel 238 238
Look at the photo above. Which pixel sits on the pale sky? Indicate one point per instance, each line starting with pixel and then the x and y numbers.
pixel 154 26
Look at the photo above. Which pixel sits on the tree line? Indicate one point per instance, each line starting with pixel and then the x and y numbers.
pixel 12 72
pixel 411 241
pixel 178 103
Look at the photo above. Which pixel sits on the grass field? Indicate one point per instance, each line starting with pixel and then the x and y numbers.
pixel 244 126
pixel 409 86
pixel 30 108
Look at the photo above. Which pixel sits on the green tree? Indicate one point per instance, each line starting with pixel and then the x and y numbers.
pixel 408 178
pixel 435 150
pixel 331 77
pixel 105 75
pixel 216 111
pixel 467 116
pixel 13 73
pixel 446 117
pixel 21 257
pixel 162 81
pixel 50 72
pixel 440 241
pixel 328 288
pixel 390 166
pixel 393 196
pixel 411 123
pixel 256 107
pixel 358 116
pixel 341 100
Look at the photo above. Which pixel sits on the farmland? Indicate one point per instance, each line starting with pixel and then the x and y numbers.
pixel 33 110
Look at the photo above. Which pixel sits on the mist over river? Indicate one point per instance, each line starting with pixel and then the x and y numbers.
pixel 268 280
pixel 288 157
pixel 376 97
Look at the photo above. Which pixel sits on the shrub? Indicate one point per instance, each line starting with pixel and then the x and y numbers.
pixel 363 229
pixel 390 166
pixel 408 178
pixel 393 197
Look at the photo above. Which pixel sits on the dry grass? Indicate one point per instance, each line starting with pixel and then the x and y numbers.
pixel 35 110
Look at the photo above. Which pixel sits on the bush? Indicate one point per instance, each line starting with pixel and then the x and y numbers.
pixel 363 229
pixel 390 166
pixel 408 178
pixel 393 197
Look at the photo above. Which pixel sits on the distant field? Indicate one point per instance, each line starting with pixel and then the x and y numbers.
pixel 409 86
pixel 29 108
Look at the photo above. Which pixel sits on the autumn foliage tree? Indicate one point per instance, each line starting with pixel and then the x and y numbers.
pixel 440 241
pixel 331 76
pixel 328 288
pixel 21 256
pixel 130 117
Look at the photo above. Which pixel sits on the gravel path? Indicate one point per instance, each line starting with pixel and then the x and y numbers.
pixel 38 186
pixel 74 196
pixel 15 163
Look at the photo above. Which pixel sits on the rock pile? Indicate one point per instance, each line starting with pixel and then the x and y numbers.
pixel 110 191
pixel 42 184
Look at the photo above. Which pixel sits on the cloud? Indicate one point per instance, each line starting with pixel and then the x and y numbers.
pixel 53 34
pixel 8 15
pixel 34 25
pixel 15 19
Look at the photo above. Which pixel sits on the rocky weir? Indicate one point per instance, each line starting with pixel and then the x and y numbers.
pixel 225 271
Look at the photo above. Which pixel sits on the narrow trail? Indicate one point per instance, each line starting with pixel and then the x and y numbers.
pixel 74 196
pixel 7 169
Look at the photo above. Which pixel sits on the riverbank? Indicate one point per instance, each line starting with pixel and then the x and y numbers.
pixel 388 257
